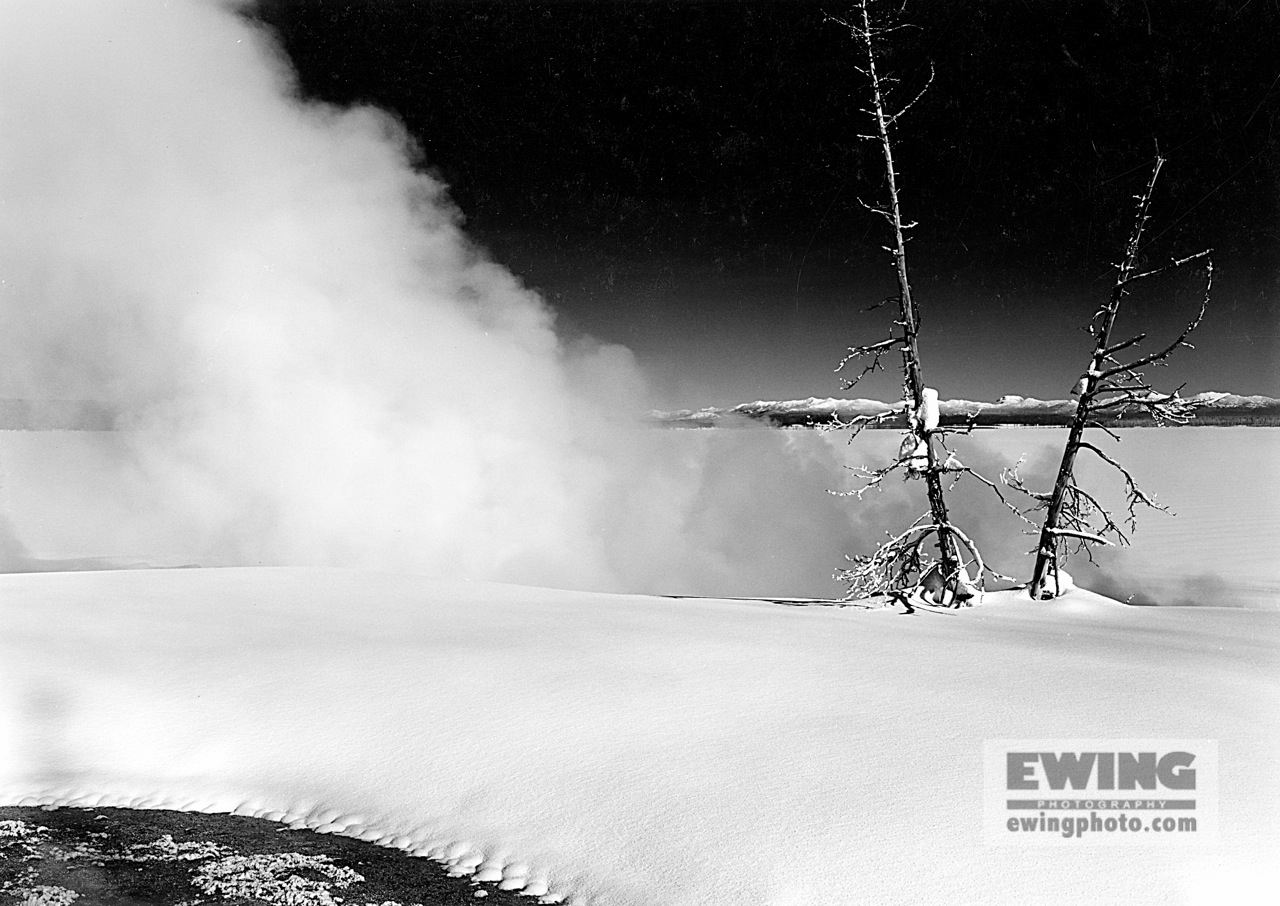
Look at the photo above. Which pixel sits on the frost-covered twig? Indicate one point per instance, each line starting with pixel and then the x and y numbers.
pixel 875 351
pixel 858 423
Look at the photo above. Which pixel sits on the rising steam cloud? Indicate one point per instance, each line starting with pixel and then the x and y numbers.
pixel 314 364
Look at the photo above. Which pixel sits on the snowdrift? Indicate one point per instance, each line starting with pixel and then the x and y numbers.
pixel 629 750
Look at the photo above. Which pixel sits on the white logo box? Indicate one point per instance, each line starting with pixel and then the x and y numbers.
pixel 1109 792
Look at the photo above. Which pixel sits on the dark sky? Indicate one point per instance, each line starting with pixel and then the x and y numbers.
pixel 684 178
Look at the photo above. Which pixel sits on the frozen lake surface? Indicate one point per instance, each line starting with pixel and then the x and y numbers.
pixel 1222 486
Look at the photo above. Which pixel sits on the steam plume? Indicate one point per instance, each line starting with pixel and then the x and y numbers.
pixel 314 364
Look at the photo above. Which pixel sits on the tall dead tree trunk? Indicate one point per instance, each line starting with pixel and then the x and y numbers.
pixel 1109 385
pixel 908 321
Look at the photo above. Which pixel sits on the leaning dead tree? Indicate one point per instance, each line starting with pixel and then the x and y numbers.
pixel 903 562
pixel 1074 519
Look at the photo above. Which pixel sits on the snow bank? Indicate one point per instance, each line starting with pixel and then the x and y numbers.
pixel 626 750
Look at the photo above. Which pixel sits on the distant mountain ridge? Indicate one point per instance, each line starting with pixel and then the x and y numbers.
pixel 1212 408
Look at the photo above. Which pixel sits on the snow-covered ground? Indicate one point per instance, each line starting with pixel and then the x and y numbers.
pixel 636 750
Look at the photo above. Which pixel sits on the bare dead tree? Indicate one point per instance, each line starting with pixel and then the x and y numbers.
pixel 1074 517
pixel 900 561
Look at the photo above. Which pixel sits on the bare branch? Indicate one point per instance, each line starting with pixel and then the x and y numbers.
pixel 1085 536
pixel 874 209
pixel 1182 337
pixel 858 423
pixel 1132 341
pixel 893 119
pixel 875 350
pixel 874 476
pixel 883 302
pixel 1105 386
pixel 1136 494
pixel 870 349
pixel 971 422
pixel 1011 478
pixel 1101 427
pixel 1164 408
pixel 958 470
pixel 1085 506
pixel 1168 267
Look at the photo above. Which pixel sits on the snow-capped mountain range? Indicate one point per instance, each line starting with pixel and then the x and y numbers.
pixel 1211 408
